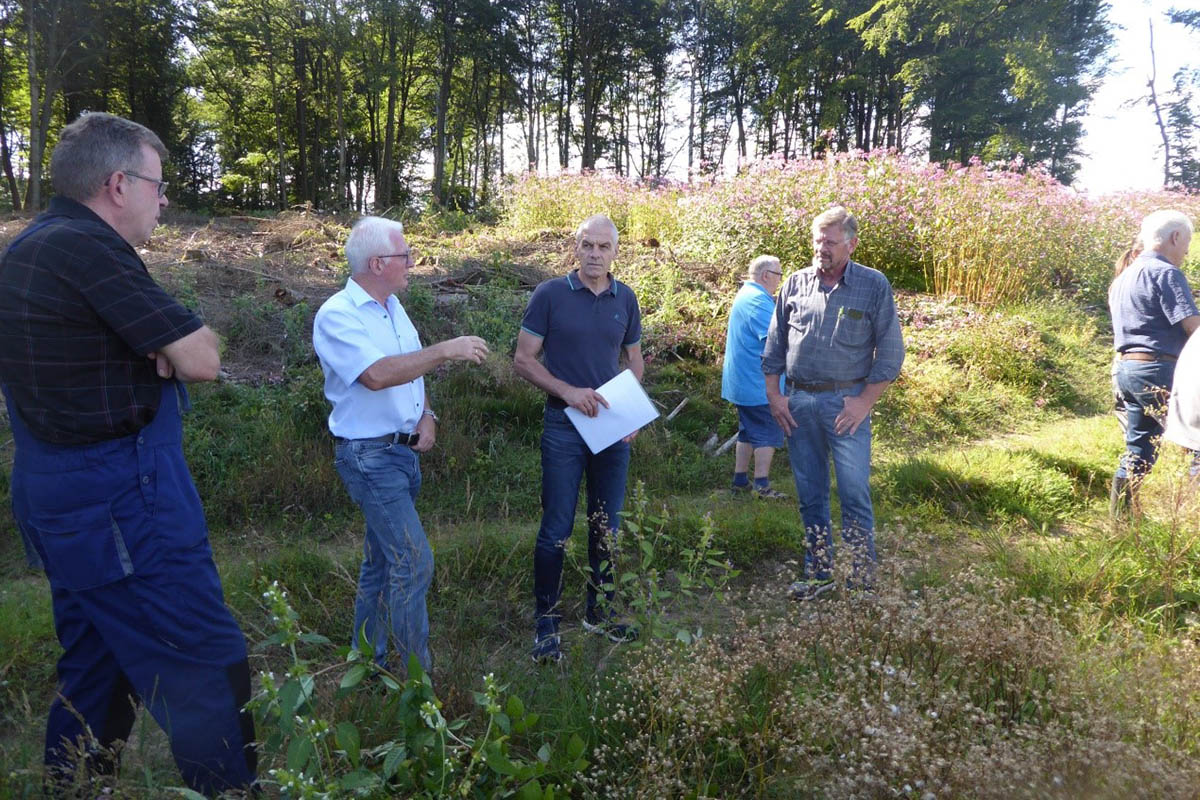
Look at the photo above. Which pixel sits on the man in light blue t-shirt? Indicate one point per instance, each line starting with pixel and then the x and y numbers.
pixel 742 377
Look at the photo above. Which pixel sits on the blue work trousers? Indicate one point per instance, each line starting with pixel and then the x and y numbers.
pixel 1144 387
pixel 138 605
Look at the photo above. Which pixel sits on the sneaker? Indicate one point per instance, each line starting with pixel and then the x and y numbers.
pixel 618 632
pixel 767 493
pixel 546 649
pixel 809 590
pixel 740 489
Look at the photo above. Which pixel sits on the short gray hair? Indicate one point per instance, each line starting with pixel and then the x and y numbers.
pixel 837 215
pixel 587 223
pixel 760 265
pixel 95 146
pixel 1158 226
pixel 370 237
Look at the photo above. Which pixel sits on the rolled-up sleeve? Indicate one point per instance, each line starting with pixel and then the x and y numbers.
pixel 889 344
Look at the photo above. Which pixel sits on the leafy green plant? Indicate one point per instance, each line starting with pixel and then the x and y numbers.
pixel 415 752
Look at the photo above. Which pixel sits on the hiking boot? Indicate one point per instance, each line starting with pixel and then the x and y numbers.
pixel 1119 498
pixel 740 489
pixel 809 590
pixel 618 632
pixel 546 649
pixel 767 493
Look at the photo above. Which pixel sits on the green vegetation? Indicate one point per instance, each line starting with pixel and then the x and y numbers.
pixel 1019 645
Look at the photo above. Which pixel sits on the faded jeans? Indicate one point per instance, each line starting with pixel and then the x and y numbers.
pixel 397 568
pixel 810 446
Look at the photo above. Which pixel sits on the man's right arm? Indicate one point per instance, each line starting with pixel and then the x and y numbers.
pixel 397 370
pixel 194 357
pixel 527 365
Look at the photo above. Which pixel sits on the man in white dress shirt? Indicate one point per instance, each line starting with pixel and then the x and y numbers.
pixel 381 420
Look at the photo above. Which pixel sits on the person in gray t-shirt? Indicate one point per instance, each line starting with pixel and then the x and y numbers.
pixel 1153 315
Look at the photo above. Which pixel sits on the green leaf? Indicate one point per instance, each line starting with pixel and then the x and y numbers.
pixel 575 746
pixel 514 707
pixel 531 791
pixel 314 638
pixel 393 761
pixel 359 779
pixel 503 722
pixel 270 641
pixel 299 752
pixel 188 793
pixel 347 738
pixel 544 752
pixel 498 762
pixel 353 676
pixel 289 698
pixel 683 636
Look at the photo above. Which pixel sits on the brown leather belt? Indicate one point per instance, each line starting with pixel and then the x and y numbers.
pixel 1138 356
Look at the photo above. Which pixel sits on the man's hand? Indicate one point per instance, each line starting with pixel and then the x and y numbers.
pixel 427 429
pixel 162 365
pixel 586 400
pixel 778 404
pixel 854 411
pixel 465 348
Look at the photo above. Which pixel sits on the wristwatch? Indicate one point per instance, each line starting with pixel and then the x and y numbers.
pixel 429 413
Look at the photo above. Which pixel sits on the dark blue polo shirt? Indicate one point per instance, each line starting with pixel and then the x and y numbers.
pixel 1148 300
pixel 583 333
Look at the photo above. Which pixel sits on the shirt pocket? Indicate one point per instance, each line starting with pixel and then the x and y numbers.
pixel 84 546
pixel 853 328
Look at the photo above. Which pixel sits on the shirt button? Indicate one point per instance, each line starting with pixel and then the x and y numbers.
pixel 145 479
pixel 141 440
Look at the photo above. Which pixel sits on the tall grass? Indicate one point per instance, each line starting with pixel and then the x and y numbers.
pixel 984 233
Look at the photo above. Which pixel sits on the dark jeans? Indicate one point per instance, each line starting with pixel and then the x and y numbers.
pixel 1145 387
pixel 566 459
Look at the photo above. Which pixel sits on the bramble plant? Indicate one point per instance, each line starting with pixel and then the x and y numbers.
pixel 419 753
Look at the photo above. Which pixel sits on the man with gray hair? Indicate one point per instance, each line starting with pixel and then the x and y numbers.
pixel 92 352
pixel 382 419
pixel 836 335
pixel 1153 315
pixel 580 324
pixel 742 377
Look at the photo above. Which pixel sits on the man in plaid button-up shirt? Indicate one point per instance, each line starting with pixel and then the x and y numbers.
pixel 836 336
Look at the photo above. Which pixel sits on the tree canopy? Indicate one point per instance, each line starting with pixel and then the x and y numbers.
pixel 379 103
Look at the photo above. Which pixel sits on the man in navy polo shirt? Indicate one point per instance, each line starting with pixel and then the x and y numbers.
pixel 580 324
pixel 1153 315
pixel 91 354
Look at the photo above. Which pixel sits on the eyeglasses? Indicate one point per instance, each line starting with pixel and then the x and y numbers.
pixel 162 185
pixel 773 272
pixel 407 254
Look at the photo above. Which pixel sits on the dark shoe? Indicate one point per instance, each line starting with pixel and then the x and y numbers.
pixel 618 632
pixel 546 649
pixel 740 490
pixel 809 590
pixel 767 493
pixel 1119 498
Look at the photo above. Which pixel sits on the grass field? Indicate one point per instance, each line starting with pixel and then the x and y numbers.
pixel 1019 645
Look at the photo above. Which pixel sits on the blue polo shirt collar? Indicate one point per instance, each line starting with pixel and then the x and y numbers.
pixel 757 285
pixel 576 284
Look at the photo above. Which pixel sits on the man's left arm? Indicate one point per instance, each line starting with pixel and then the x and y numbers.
pixel 634 360
pixel 426 428
pixel 885 368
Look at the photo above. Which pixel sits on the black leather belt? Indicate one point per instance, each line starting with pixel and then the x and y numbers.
pixel 553 401
pixel 1139 356
pixel 795 386
pixel 406 439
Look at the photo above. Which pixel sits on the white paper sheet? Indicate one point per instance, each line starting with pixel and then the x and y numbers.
pixel 629 408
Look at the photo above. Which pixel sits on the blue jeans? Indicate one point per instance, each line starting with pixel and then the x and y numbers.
pixel 397 568
pixel 565 461
pixel 810 446
pixel 1145 387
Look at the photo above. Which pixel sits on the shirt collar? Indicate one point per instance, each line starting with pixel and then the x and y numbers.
pixel 359 295
pixel 576 284
pixel 756 285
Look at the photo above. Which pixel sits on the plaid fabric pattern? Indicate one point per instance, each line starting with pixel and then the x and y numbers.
pixel 846 333
pixel 78 314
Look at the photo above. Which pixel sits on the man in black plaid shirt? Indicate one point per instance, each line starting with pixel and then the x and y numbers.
pixel 92 352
